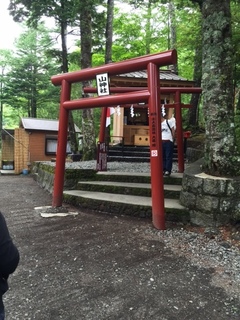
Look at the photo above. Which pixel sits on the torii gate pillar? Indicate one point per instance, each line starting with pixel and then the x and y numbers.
pixel 154 102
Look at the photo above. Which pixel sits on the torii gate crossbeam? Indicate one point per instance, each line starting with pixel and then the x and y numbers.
pixel 151 63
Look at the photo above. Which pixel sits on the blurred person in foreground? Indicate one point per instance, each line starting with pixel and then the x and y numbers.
pixel 9 259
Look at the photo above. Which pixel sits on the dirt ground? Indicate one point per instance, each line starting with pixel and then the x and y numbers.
pixel 93 266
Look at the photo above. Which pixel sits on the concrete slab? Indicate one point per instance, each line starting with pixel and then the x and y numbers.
pixel 122 198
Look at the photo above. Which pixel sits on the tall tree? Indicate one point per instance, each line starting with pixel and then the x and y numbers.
pixel 89 138
pixel 172 37
pixel 217 83
pixel 108 47
pixel 235 5
pixel 4 64
pixel 148 27
pixel 192 32
pixel 27 83
pixel 109 31
pixel 64 12
pixel 193 114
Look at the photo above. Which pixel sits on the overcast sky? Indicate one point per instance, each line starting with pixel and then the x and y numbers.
pixel 9 30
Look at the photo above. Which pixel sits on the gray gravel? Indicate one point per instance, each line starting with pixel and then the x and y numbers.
pixel 113 166
pixel 208 249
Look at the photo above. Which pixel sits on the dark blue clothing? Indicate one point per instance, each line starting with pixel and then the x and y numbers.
pixel 9 259
pixel 2 315
pixel 167 150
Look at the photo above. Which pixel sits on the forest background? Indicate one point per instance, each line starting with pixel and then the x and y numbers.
pixel 205 34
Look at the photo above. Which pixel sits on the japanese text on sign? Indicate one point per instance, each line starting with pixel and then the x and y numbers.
pixel 102 84
pixel 101 157
pixel 154 129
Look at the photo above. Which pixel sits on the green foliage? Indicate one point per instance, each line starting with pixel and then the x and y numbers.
pixel 235 6
pixel 237 128
pixel 32 11
pixel 130 40
pixel 27 87
pixel 11 117
pixel 129 34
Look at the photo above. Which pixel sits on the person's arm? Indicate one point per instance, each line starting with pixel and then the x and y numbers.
pixel 173 132
pixel 173 127
pixel 9 254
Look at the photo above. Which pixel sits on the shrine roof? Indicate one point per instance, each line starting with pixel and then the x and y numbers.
pixel 166 76
pixel 41 124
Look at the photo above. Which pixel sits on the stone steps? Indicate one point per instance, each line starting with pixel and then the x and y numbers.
pixel 132 153
pixel 127 188
pixel 127 194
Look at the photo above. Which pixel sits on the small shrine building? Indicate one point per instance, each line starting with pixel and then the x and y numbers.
pixel 130 122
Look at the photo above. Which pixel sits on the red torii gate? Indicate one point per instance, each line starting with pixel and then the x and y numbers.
pixel 151 63
pixel 178 112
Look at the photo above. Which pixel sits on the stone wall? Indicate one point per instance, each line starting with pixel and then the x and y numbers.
pixel 43 173
pixel 212 201
pixel 193 154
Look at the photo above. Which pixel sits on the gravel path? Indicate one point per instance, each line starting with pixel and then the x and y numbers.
pixel 113 166
pixel 216 248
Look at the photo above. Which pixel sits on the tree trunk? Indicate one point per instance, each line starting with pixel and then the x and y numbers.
pixel 109 31
pixel 63 26
pixel 148 27
pixel 220 146
pixel 71 127
pixel 89 140
pixel 34 93
pixel 193 112
pixel 108 50
pixel 172 38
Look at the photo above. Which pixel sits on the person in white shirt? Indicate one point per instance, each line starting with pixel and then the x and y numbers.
pixel 168 127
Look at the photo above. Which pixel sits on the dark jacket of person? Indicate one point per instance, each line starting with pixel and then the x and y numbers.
pixel 9 256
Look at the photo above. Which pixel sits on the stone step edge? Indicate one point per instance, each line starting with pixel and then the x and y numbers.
pixel 124 199
pixel 141 174
pixel 167 187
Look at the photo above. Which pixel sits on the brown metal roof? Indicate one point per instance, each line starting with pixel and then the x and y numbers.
pixel 164 75
pixel 41 124
pixel 167 77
